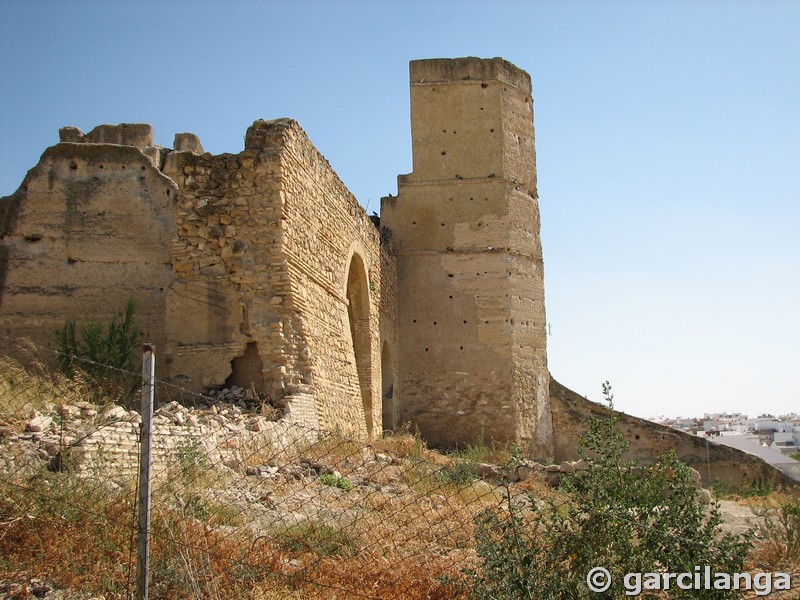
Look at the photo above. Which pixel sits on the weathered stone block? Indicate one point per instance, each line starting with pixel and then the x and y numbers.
pixel 187 142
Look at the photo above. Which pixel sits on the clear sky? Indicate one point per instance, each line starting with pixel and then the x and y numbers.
pixel 668 143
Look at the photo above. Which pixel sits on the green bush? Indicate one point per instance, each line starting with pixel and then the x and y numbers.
pixel 617 515
pixel 108 354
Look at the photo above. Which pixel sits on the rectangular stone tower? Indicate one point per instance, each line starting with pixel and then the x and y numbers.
pixel 472 357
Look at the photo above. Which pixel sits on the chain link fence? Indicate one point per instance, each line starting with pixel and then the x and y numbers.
pixel 244 503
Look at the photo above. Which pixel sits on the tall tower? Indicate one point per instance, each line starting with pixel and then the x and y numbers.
pixel 472 357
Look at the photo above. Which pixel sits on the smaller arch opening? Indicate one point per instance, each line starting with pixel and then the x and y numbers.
pixel 387 388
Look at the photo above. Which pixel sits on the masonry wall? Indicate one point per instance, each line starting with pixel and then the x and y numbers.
pixel 254 269
pixel 649 441
pixel 465 231
pixel 90 227
pixel 341 284
pixel 265 244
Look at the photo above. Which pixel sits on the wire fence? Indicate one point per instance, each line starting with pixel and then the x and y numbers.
pixel 245 504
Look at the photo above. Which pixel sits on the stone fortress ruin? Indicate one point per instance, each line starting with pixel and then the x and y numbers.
pixel 262 269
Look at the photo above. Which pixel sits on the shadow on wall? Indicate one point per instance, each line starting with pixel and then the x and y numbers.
pixel 358 316
pixel 387 389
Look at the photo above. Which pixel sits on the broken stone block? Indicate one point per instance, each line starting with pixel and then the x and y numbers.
pixel 187 142
pixel 70 134
pixel 115 413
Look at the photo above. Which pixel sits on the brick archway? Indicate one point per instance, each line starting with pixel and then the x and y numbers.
pixel 358 316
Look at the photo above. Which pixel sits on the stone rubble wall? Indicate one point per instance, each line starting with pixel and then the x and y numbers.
pixel 101 441
pixel 263 244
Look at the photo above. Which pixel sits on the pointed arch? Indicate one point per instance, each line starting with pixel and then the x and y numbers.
pixel 357 294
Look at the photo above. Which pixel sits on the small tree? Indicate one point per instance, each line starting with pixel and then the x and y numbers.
pixel 105 353
pixel 617 515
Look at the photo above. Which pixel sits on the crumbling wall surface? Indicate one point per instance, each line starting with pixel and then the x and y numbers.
pixel 649 441
pixel 465 230
pixel 337 289
pixel 225 261
pixel 265 239
pixel 90 227
pixel 104 441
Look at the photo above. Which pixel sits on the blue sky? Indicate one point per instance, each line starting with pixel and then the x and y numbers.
pixel 668 144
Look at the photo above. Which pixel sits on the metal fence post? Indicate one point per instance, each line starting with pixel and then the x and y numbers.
pixel 143 533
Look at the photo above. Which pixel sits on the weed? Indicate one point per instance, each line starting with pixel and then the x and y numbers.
pixel 755 489
pixel 336 481
pixel 780 534
pixel 105 352
pixel 192 458
pixel 320 538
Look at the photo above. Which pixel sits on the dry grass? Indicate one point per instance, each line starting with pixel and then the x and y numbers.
pixel 778 544
pixel 219 534
pixel 408 521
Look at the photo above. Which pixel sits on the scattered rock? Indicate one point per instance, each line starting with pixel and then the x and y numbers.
pixel 487 471
pixel 524 472
pixel 69 411
pixel 115 413
pixel 39 423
